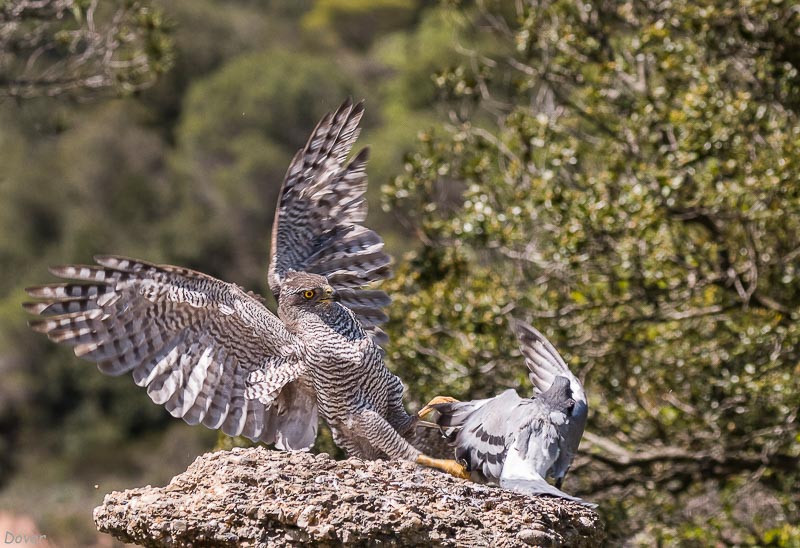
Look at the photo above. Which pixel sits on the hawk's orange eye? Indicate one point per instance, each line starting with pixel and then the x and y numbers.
pixel 308 294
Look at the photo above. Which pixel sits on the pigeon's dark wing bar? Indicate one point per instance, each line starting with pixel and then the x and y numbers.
pixel 480 431
pixel 317 225
pixel 189 339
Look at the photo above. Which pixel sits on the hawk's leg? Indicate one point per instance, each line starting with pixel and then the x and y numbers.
pixel 396 414
pixel 382 436
pixel 429 406
pixel 452 467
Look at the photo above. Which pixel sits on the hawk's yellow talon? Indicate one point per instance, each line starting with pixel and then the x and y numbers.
pixel 429 406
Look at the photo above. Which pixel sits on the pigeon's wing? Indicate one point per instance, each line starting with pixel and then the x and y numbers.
pixel 436 439
pixel 453 415
pixel 191 340
pixel 539 486
pixel 484 433
pixel 543 360
pixel 545 364
pixel 317 225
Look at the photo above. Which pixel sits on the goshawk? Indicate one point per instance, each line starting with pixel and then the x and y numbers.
pixel 212 353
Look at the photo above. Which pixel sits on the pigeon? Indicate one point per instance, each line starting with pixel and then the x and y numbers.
pixel 518 442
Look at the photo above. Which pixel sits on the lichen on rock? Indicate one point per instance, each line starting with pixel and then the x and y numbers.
pixel 258 497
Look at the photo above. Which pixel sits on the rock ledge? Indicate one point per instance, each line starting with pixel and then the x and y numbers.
pixel 258 497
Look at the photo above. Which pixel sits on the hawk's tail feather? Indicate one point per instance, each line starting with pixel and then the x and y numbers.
pixel 292 418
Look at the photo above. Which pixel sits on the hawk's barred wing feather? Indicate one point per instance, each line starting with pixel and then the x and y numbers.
pixel 317 222
pixel 366 305
pixel 189 339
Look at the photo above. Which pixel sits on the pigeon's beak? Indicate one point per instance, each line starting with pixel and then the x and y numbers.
pixel 328 294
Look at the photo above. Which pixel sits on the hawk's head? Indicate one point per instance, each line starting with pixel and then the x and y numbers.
pixel 306 290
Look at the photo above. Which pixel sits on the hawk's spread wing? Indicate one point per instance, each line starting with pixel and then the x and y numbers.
pixel 190 339
pixel 317 225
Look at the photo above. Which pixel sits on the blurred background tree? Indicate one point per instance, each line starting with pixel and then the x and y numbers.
pixel 625 176
pixel 52 47
pixel 621 174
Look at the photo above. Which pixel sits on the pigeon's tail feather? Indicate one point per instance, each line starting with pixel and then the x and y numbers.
pixel 540 487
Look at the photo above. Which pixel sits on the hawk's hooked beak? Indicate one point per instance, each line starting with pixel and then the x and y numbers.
pixel 328 294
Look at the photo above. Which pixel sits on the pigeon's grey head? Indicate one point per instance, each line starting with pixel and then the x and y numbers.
pixel 559 396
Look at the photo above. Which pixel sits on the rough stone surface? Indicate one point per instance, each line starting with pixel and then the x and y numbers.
pixel 258 497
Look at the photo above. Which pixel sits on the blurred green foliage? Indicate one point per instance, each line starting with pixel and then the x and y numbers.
pixel 625 176
pixel 81 48
pixel 621 174
pixel 185 171
pixel 358 23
